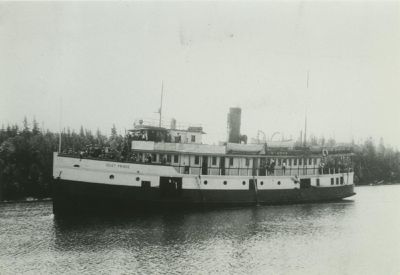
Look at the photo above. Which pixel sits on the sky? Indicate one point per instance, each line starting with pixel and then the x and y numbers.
pixel 99 64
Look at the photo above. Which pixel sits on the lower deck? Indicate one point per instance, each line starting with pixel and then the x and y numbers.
pixel 77 197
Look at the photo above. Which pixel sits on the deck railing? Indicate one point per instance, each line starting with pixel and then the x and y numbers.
pixel 232 171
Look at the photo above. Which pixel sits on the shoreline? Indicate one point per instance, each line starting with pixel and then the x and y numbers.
pixel 27 200
pixel 31 199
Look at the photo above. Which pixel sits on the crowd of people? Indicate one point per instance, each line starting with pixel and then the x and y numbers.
pixel 106 153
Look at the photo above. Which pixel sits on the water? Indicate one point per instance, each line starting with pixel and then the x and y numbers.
pixel 356 236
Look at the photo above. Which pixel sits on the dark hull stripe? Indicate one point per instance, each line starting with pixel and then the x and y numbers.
pixel 79 197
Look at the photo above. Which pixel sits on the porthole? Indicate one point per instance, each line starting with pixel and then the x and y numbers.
pixel 244 183
pixel 76 165
pixel 279 183
pixel 261 182
pixel 137 178
pixel 205 182
pixel 111 177
pixel 225 182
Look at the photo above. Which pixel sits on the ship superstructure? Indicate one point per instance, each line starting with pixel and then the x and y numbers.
pixel 170 166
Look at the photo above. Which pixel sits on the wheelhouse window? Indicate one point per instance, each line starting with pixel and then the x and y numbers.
pixel 300 161
pixel 309 161
pixel 214 160
pixel 193 138
pixel 230 161
pixel 247 162
pixel 176 158
pixel 196 159
pixel 168 158
pixel 294 161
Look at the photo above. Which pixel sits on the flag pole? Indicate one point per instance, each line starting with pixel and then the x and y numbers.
pixel 161 104
pixel 60 122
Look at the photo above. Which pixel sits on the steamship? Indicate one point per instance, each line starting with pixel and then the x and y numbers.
pixel 171 167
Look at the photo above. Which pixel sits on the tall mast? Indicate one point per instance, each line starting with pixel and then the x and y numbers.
pixel 60 122
pixel 305 129
pixel 305 116
pixel 160 110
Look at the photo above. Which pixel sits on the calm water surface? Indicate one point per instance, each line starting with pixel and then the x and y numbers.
pixel 356 236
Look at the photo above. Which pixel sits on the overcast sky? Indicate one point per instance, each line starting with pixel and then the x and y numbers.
pixel 107 62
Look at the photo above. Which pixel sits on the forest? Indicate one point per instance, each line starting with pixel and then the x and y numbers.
pixel 26 158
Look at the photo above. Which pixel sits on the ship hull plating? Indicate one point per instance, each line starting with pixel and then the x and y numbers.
pixel 77 197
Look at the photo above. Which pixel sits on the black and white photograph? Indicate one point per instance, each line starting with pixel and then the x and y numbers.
pixel 200 137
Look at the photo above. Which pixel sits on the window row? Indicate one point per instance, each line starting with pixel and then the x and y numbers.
pixel 214 161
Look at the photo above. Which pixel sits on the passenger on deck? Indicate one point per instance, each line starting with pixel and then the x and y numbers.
pixel 272 167
pixel 321 168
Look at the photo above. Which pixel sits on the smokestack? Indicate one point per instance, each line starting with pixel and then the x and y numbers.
pixel 173 124
pixel 234 121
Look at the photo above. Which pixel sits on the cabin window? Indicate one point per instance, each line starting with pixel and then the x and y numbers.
pixel 193 138
pixel 341 180
pixel 154 157
pixel 309 161
pixel 289 161
pixel 176 159
pixel 337 181
pixel 332 181
pixel 317 182
pixel 294 161
pixel 178 139
pixel 300 161
pixel 231 161
pixel 247 162
pixel 214 160
pixel 196 159
pixel 168 158
pixel 279 162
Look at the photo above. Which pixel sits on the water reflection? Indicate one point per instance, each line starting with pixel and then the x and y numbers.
pixel 328 238
pixel 192 228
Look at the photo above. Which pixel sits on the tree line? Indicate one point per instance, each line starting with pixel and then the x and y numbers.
pixel 26 157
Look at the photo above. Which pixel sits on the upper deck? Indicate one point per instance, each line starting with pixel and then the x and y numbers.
pixel 181 146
